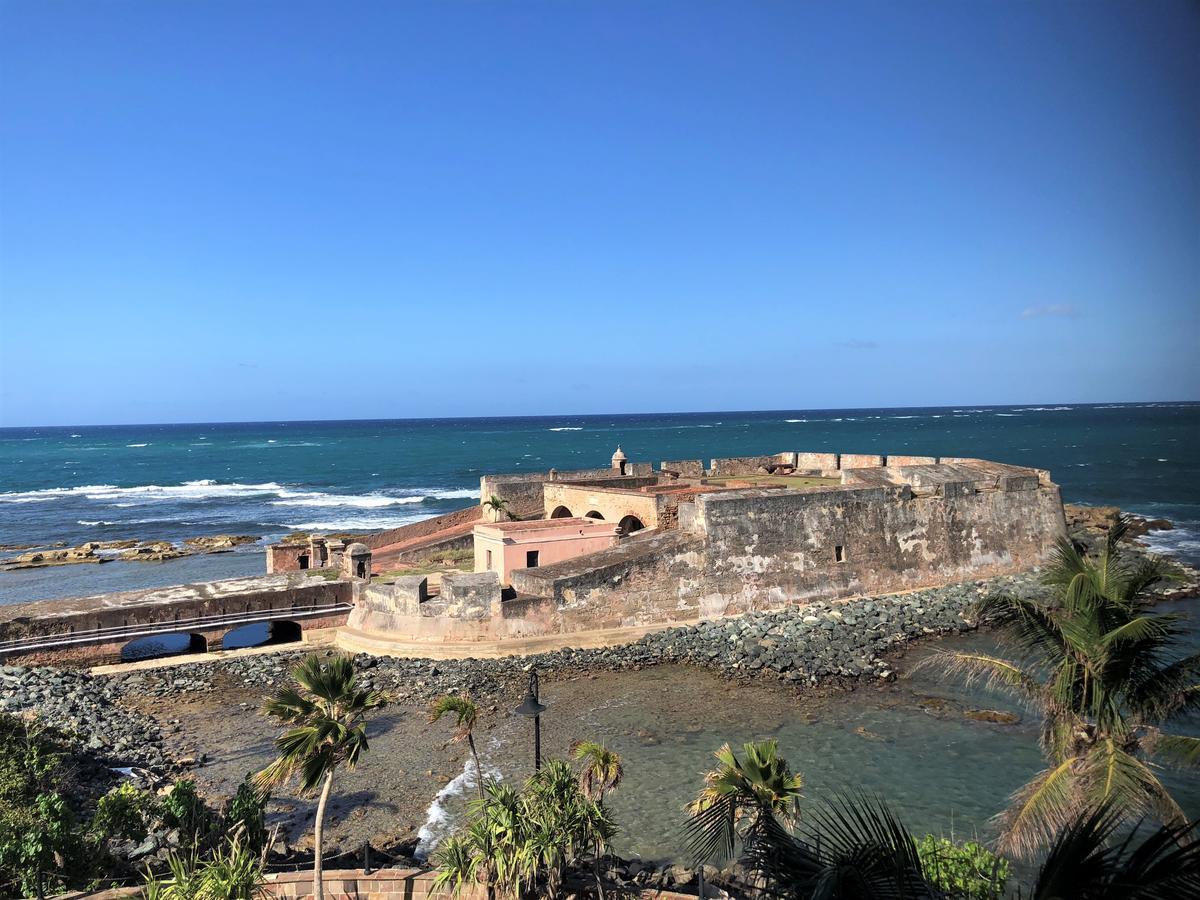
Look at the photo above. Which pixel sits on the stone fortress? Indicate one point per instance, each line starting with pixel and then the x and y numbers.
pixel 605 555
pixel 596 557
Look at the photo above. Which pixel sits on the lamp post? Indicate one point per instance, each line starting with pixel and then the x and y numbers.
pixel 532 707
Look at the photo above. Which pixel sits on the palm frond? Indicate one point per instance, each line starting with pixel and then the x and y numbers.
pixel 1039 809
pixel 1177 750
pixel 996 673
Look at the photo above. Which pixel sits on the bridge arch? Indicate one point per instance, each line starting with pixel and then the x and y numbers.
pixel 561 512
pixel 154 646
pixel 592 514
pixel 260 634
pixel 630 524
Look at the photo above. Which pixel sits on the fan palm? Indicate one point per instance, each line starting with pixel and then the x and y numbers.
pixel 1098 664
pixel 466 714
pixel 754 798
pixel 601 771
pixel 326 712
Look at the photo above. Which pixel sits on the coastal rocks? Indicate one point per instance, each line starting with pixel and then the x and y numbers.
pixel 36 559
pixel 126 550
pixel 77 704
pixel 1091 521
pixel 219 543
pixel 154 552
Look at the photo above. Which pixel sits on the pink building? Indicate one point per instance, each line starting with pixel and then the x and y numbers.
pixel 503 546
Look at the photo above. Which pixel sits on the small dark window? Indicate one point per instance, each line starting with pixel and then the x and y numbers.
pixel 489 560
pixel 839 553
pixel 531 559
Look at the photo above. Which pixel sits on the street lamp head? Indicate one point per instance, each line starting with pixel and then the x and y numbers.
pixel 531 707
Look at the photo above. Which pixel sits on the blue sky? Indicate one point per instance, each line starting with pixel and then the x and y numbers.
pixel 277 210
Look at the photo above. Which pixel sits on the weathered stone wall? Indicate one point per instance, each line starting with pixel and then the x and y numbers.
pixel 285 557
pixel 859 461
pixel 816 462
pixel 525 489
pixel 747 465
pixel 470 595
pixel 901 460
pixel 686 468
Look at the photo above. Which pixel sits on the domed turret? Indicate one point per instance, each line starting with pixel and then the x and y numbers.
pixel 619 460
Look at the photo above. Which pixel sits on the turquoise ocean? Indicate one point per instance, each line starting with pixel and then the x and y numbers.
pixel 177 481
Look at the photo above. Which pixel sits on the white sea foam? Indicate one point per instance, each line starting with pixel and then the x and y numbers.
pixel 359 523
pixel 793 421
pixel 1042 408
pixel 205 489
pixel 463 494
pixel 1010 415
pixel 137 445
pixel 566 428
pixel 437 819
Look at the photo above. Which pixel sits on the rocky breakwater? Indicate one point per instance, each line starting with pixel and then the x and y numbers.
pixel 126 550
pixel 85 708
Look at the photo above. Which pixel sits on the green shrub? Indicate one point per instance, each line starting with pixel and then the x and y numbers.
pixel 182 808
pixel 246 815
pixel 38 838
pixel 967 869
pixel 124 812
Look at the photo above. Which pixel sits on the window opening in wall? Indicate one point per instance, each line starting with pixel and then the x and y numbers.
pixel 839 553
pixel 489 560
pixel 531 559
pixel 304 562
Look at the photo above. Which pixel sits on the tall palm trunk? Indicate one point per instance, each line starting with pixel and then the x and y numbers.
pixel 318 881
pixel 478 767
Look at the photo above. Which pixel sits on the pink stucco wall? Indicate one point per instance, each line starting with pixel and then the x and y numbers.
pixel 554 540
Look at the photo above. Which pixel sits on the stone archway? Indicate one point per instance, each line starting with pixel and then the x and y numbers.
pixel 259 634
pixel 156 645
pixel 561 512
pixel 630 524
pixel 592 514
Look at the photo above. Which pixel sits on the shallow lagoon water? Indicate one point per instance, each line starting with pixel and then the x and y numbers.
pixel 942 772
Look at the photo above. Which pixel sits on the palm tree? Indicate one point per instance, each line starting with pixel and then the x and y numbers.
pixel 1098 664
pixel 327 713
pixel 466 714
pixel 499 506
pixel 755 798
pixel 1087 861
pixel 601 771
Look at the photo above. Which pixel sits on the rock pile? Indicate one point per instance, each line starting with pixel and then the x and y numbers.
pixel 77 704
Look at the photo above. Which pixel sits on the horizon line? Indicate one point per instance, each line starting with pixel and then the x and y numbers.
pixel 811 409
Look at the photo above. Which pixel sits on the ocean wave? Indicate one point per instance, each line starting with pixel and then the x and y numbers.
pixel 567 428
pixel 793 421
pixel 137 445
pixel 358 523
pixel 1041 408
pixel 354 501
pixel 1010 415
pixel 1180 541
pixel 463 494
pixel 204 489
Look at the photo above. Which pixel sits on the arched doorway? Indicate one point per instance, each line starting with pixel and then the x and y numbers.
pixel 630 524
pixel 561 512
pixel 592 514
pixel 155 645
